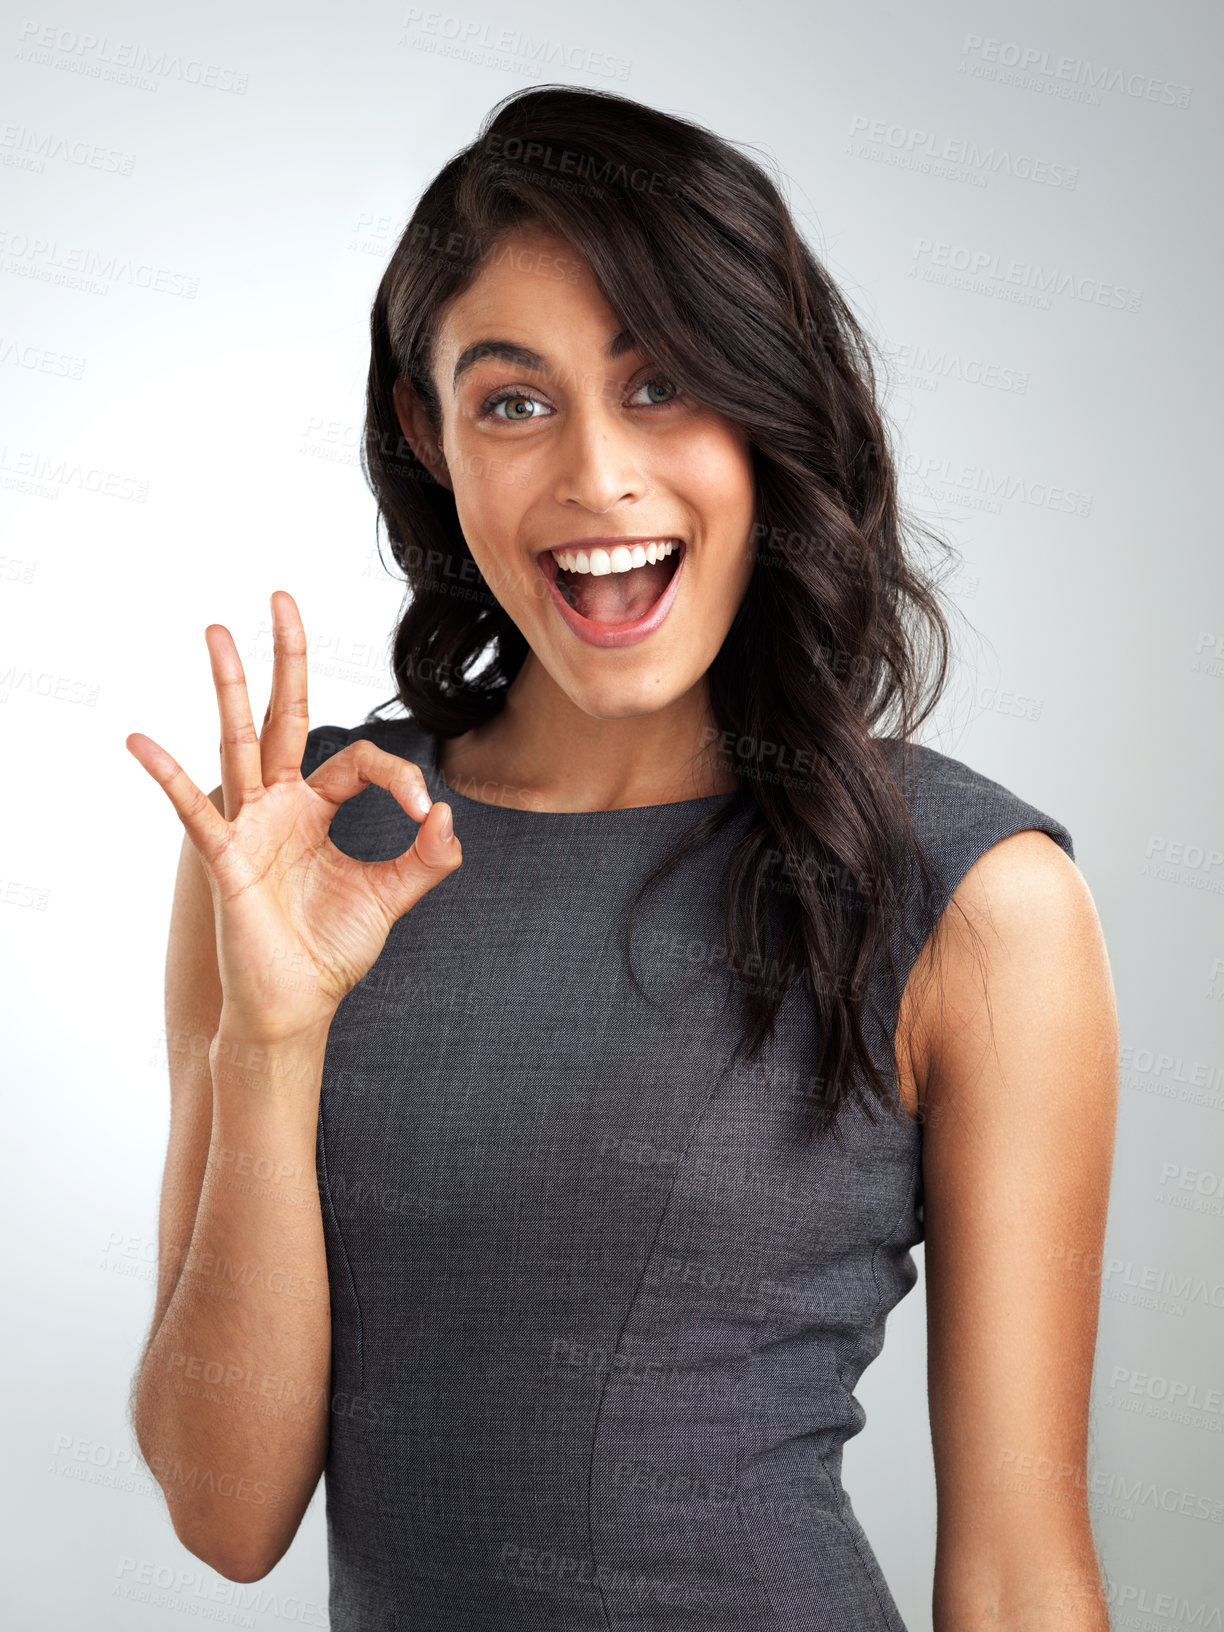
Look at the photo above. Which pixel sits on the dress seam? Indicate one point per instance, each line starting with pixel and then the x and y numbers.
pixel 348 1267
pixel 632 1304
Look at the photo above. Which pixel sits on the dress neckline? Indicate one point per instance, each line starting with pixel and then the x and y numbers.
pixel 462 801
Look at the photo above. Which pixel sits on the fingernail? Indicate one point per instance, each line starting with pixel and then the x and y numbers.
pixel 448 824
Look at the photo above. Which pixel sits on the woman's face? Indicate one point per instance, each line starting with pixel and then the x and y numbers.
pixel 553 439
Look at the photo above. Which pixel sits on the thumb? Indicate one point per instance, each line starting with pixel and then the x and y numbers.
pixel 434 854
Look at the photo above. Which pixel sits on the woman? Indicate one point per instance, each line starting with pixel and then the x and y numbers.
pixel 553 1191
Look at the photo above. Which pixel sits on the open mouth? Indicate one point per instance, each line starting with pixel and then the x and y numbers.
pixel 614 586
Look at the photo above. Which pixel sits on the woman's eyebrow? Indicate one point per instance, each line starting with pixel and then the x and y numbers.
pixel 523 356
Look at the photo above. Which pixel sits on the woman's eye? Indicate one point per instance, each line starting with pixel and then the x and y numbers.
pixel 655 381
pixel 488 409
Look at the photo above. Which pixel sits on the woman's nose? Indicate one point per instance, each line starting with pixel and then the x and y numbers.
pixel 598 458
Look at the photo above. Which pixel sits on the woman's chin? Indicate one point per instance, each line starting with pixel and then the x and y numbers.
pixel 617 697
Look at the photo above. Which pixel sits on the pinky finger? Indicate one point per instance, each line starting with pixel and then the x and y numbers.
pixel 206 827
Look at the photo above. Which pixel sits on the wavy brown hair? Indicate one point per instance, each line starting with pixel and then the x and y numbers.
pixel 839 633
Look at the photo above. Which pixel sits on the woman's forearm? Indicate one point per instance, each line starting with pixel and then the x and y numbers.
pixel 232 1400
pixel 1031 1593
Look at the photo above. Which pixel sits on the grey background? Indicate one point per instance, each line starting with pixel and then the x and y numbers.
pixel 180 441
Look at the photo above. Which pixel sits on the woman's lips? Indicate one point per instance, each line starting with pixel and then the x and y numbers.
pixel 613 634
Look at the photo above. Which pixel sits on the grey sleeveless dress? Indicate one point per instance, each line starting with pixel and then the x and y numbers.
pixel 598 1311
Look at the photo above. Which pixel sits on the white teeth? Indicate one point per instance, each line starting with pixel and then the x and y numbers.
pixel 621 558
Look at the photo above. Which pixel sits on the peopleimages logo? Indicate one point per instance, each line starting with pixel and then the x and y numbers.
pixel 125 61
pixel 78 266
pixel 1026 282
pixel 1131 1600
pixel 31 466
pixel 26 148
pixel 1074 78
pixel 935 471
pixel 956 156
pixel 922 366
pixel 199 1593
pixel 473 38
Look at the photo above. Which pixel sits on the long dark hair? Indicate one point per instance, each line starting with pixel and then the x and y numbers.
pixel 693 248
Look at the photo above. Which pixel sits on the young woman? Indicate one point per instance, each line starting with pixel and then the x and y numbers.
pixel 551 1192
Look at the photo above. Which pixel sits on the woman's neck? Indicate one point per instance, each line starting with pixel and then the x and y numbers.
pixel 542 752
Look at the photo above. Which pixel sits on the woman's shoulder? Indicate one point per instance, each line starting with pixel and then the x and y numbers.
pixel 961 819
pixel 397 736
pixel 990 849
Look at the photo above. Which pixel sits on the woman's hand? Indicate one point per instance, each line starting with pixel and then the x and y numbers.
pixel 298 922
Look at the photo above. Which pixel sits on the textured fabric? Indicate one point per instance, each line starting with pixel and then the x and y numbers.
pixel 598 1311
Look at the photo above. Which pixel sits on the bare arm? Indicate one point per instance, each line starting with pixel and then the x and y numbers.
pixel 272 926
pixel 232 1402
pixel 1019 1084
pixel 193 1013
pixel 230 1406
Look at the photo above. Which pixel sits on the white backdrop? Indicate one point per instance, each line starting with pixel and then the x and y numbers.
pixel 1021 201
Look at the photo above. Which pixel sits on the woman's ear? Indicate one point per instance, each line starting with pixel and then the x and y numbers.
pixel 419 433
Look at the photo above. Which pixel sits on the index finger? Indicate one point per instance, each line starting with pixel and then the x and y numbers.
pixel 206 827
